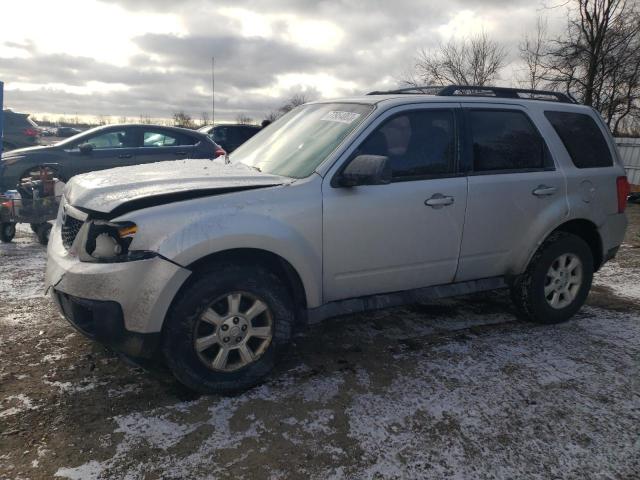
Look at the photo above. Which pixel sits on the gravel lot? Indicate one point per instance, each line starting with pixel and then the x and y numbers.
pixel 454 389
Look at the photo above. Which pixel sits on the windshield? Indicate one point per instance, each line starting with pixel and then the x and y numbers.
pixel 298 142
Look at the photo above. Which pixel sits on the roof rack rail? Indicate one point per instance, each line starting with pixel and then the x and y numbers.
pixel 482 91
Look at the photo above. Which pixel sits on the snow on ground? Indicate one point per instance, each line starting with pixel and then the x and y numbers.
pixel 624 281
pixel 27 281
pixel 455 389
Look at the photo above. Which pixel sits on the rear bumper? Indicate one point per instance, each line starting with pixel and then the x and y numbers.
pixel 104 321
pixel 612 234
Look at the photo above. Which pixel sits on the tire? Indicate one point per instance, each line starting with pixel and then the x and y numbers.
pixel 42 233
pixel 7 232
pixel 569 290
pixel 211 292
pixel 34 227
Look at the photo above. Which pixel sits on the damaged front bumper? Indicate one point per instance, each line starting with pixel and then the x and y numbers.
pixel 120 304
pixel 103 321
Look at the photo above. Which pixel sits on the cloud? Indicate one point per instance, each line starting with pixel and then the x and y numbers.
pixel 264 51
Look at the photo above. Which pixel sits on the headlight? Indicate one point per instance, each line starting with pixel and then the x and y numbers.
pixel 109 242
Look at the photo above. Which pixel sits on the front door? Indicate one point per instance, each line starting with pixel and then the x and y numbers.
pixel 407 234
pixel 113 147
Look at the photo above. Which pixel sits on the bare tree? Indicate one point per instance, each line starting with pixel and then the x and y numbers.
pixel 145 119
pixel 272 116
pixel 243 119
pixel 123 119
pixel 598 60
pixel 294 101
pixel 204 119
pixel 472 61
pixel 532 52
pixel 183 119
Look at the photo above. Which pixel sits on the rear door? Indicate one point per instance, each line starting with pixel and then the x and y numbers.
pixel 515 189
pixel 407 234
pixel 113 147
pixel 157 145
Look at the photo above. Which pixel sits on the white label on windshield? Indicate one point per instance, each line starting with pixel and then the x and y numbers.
pixel 342 117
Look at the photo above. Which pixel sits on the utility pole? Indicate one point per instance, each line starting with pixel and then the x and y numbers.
pixel 213 91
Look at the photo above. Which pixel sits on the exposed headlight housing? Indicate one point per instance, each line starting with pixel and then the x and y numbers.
pixel 109 242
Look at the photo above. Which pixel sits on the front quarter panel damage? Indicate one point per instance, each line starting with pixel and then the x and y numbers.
pixel 284 220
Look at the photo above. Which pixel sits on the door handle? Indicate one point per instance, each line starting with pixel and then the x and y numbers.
pixel 544 191
pixel 125 155
pixel 438 200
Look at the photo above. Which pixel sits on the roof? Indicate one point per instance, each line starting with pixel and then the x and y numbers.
pixel 465 93
pixel 392 100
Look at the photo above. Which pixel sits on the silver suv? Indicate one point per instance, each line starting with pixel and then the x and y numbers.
pixel 339 207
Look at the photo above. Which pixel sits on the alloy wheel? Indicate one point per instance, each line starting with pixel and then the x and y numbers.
pixel 233 331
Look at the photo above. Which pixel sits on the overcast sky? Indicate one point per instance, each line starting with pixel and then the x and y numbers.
pixel 153 57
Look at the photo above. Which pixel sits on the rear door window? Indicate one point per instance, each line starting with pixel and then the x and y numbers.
pixel 161 138
pixel 582 138
pixel 505 140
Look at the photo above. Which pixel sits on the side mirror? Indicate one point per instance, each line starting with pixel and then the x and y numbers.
pixel 366 170
pixel 85 148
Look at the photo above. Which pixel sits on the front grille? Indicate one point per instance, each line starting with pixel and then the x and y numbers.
pixel 70 229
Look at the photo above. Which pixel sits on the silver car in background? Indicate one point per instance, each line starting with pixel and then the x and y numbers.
pixel 339 207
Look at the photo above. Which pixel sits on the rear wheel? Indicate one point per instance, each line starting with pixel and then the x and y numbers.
pixel 223 334
pixel 34 227
pixel 557 281
pixel 7 231
pixel 42 232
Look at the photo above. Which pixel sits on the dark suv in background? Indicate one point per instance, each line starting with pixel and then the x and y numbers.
pixel 19 131
pixel 230 137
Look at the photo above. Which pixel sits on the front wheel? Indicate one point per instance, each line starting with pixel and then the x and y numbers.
pixel 7 231
pixel 224 332
pixel 557 281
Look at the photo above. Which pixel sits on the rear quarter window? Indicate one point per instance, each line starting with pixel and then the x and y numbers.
pixel 582 138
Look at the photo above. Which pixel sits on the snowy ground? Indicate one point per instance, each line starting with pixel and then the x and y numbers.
pixel 454 389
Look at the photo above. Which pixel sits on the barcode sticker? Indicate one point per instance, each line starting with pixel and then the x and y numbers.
pixel 342 117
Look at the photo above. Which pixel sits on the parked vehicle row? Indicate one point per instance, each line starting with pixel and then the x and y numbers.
pixel 19 131
pixel 230 136
pixel 338 207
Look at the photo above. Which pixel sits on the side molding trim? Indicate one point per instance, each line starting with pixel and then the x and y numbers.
pixel 406 297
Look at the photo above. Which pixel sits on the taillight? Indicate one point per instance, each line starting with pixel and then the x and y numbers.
pixel 30 132
pixel 219 152
pixel 622 185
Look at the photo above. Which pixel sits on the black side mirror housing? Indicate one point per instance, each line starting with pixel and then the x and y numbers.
pixel 365 170
pixel 85 148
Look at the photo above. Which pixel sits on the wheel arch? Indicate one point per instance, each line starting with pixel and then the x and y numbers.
pixel 588 231
pixel 583 228
pixel 252 257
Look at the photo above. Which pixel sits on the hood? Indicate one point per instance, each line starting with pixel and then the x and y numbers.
pixel 19 152
pixel 123 189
